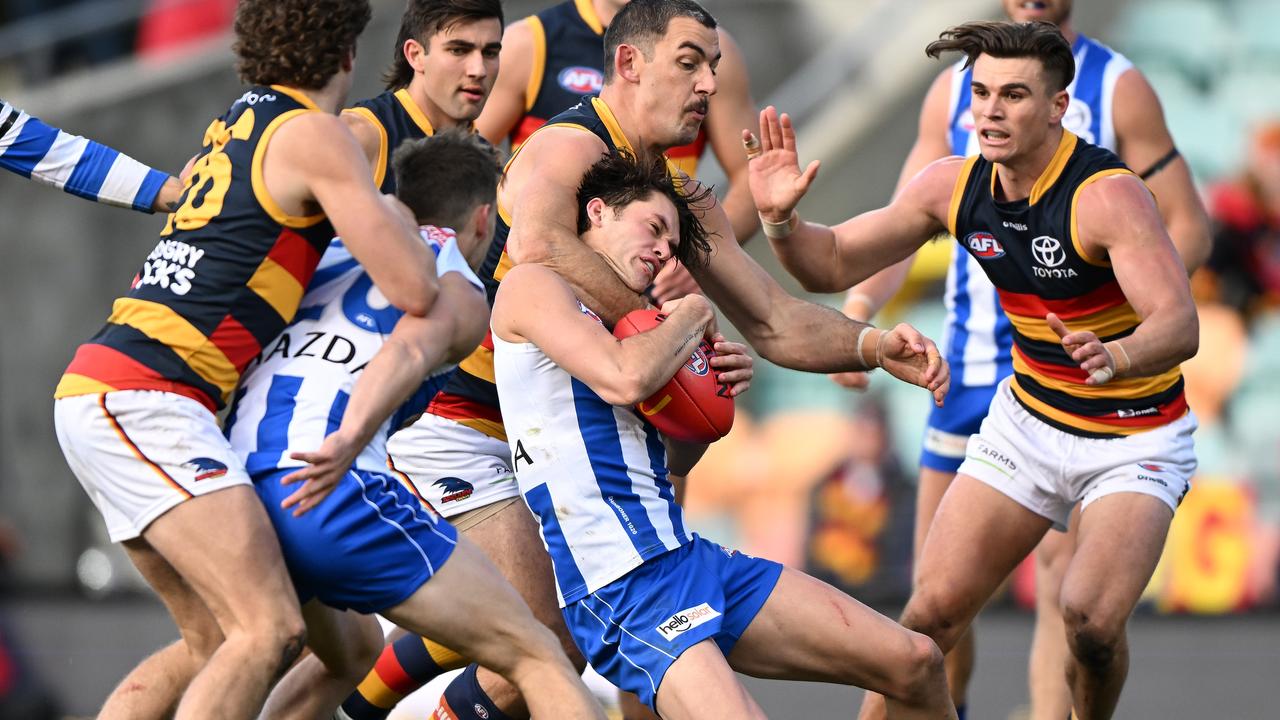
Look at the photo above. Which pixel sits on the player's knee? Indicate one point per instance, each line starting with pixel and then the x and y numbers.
pixel 935 616
pixel 1094 640
pixel 919 670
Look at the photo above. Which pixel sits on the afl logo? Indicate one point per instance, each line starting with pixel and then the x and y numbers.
pixel 698 363
pixel 1048 251
pixel 984 245
pixel 581 80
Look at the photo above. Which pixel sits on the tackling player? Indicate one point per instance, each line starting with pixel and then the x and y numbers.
pixel 135 409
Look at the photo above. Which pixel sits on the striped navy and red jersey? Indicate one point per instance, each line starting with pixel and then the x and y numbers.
pixel 226 277
pixel 397 118
pixel 568 62
pixel 1031 251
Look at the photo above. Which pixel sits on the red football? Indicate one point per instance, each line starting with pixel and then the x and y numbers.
pixel 692 406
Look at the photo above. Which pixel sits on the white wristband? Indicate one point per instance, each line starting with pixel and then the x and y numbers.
pixel 858 345
pixel 778 230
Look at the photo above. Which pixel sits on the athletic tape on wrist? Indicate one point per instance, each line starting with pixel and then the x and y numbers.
pixel 777 230
pixel 858 345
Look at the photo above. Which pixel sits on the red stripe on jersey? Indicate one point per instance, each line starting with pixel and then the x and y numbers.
pixel 1065 373
pixel 236 342
pixel 390 672
pixel 693 149
pixel 293 253
pixel 527 125
pixel 1107 296
pixel 454 407
pixel 115 369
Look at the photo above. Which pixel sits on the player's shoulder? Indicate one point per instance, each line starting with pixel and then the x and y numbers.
pixel 529 279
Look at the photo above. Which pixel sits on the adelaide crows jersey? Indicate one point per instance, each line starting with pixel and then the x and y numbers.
pixel 568 62
pixel 397 118
pixel 1030 251
pixel 978 336
pixel 226 278
pixel 295 395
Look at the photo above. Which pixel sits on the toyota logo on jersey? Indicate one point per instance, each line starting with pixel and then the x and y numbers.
pixel 1048 251
pixel 581 80
pixel 984 245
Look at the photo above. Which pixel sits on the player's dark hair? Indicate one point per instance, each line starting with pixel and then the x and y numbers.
pixel 297 43
pixel 643 22
pixel 622 179
pixel 1040 40
pixel 443 178
pixel 424 18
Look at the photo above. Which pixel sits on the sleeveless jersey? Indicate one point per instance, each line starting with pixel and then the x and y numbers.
pixel 1030 251
pixel 397 118
pixel 568 62
pixel 978 336
pixel 469 396
pixel 594 474
pixel 295 394
pixel 77 165
pixel 225 279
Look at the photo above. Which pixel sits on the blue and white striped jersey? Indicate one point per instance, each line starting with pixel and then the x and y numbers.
pixel 295 394
pixel 594 474
pixel 77 165
pixel 978 340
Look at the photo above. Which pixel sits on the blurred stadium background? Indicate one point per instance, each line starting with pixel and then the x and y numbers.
pixel 812 475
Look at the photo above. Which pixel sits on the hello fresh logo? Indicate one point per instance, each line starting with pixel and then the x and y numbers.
pixel 686 620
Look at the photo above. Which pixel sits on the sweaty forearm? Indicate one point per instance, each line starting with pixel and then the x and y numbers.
pixel 594 282
pixel 811 338
pixel 810 254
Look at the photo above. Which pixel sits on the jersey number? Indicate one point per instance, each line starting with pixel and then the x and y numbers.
pixel 210 177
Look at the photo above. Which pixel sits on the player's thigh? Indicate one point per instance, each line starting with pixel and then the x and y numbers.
pixel 496 629
pixel 978 536
pixel 1121 538
pixel 700 684
pixel 932 486
pixel 223 544
pixel 199 628
pixel 808 630
pixel 510 539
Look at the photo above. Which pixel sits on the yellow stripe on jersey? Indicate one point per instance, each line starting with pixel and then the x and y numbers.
pixel 1070 420
pixel 488 427
pixel 588 13
pixel 1106 323
pixel 380 163
pixel 539 34
pixel 1057 164
pixel 415 112
pixel 282 291
pixel 505 263
pixel 1123 389
pixel 480 364
pixel 267 202
pixel 957 192
pixel 1075 233
pixel 73 384
pixel 164 325
pixel 687 165
pixel 298 96
pixel 611 124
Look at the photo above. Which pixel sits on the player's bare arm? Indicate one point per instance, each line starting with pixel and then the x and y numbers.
pixel 1146 147
pixel 541 187
pixel 451 330
pixel 313 159
pixel 367 135
pixel 509 99
pixel 731 110
pixel 1118 221
pixel 622 372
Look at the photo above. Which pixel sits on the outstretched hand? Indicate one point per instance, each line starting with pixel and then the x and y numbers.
pixel 774 174
pixel 326 467
pixel 1085 348
pixel 908 355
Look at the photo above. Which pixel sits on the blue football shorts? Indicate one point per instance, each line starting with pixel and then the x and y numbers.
pixel 366 547
pixel 634 628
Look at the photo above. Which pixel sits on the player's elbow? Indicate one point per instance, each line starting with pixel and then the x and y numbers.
pixel 1190 339
pixel 527 247
pixel 414 297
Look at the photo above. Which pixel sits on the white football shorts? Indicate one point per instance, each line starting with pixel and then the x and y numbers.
pixel 454 467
